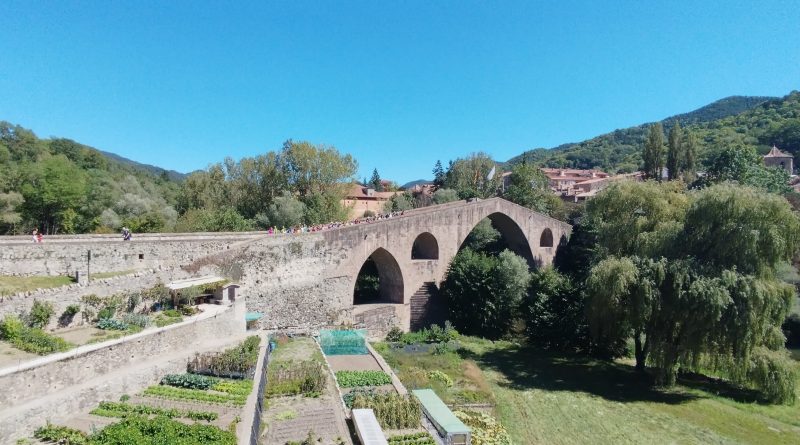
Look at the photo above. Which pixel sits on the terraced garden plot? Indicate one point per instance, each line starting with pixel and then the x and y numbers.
pixel 291 417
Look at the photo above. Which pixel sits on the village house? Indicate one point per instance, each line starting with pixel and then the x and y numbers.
pixel 779 159
pixel 360 199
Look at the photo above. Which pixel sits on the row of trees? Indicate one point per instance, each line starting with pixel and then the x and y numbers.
pixel 688 277
pixel 60 186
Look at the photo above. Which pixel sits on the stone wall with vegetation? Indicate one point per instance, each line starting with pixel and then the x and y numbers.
pixel 59 386
pixel 64 296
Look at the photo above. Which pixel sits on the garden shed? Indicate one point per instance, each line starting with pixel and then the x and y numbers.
pixel 452 430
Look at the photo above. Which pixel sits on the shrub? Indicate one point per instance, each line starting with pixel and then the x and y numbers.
pixel 40 314
pixel 68 315
pixel 111 324
pixel 350 379
pixel 61 435
pixel 188 310
pixel 71 310
pixel 192 381
pixel 106 313
pixel 11 327
pixel 393 411
pixel 139 320
pixel 395 334
pixel 485 429
pixel 39 342
pixel 432 334
pixel 440 376
pixel 161 321
pixel 174 313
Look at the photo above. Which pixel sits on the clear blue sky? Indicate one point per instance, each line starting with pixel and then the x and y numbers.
pixel 399 84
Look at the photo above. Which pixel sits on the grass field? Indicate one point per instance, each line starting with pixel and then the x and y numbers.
pixel 545 398
pixel 11 285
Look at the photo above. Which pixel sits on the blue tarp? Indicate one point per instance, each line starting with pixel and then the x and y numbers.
pixel 253 316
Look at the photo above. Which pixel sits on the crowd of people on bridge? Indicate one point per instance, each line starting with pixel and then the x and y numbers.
pixel 333 225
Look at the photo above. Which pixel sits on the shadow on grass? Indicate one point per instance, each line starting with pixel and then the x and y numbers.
pixel 529 368
pixel 721 388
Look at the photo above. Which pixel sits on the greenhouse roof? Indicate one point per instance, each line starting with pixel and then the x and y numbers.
pixel 439 413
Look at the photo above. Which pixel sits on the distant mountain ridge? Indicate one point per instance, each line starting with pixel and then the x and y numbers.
pixel 619 150
pixel 411 184
pixel 172 174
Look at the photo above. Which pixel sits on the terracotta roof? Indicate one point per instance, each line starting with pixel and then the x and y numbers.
pixel 358 191
pixel 775 153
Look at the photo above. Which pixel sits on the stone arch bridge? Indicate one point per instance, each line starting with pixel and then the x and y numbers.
pixel 306 281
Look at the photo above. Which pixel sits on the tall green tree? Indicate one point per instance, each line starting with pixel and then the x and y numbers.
pixel 742 164
pixel 438 174
pixel 470 176
pixel 484 292
pixel 529 187
pixel 375 181
pixel 53 190
pixel 653 152
pixel 706 300
pixel 675 152
pixel 285 211
pixel 10 216
pixel 689 158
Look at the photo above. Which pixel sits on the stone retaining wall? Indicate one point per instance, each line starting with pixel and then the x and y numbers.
pixel 61 385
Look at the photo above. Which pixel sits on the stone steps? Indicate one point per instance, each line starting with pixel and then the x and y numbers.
pixel 425 307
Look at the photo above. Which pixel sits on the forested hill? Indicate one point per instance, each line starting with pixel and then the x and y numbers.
pixel 63 186
pixel 619 151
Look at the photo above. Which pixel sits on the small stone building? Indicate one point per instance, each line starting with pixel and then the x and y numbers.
pixel 777 158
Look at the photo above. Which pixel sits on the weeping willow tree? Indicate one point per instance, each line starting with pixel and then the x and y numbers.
pixel 704 297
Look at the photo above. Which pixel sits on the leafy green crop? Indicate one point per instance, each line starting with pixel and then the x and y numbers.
pixel 423 438
pixel 351 379
pixel 119 409
pixel 192 381
pixel 219 398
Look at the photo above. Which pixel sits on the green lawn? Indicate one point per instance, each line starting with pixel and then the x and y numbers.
pixel 571 399
pixel 101 275
pixel 11 285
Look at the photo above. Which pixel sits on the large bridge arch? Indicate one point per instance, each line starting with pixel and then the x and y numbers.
pixel 390 278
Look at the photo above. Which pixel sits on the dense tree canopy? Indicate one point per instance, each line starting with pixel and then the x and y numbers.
pixel 529 187
pixel 692 280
